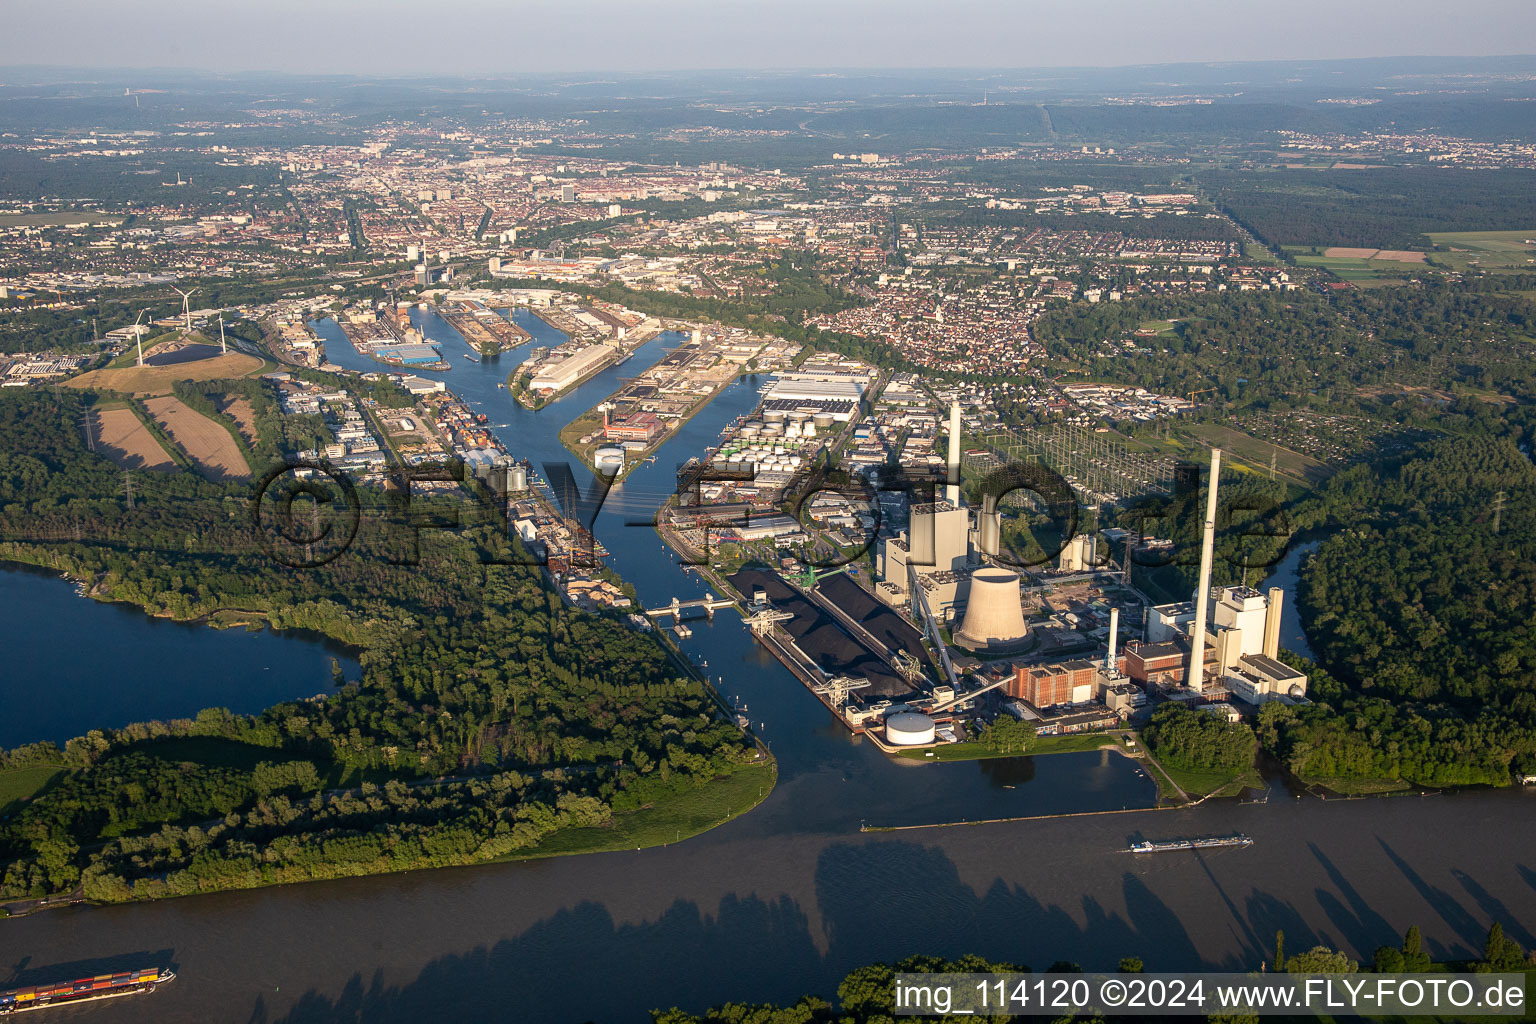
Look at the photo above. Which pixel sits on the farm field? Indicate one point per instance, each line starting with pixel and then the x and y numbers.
pixel 1486 250
pixel 208 443
pixel 126 441
pixel 63 217
pixel 157 380
pixel 1364 267
pixel 239 409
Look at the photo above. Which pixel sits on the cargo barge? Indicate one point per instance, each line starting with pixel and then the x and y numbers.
pixel 102 986
pixel 1165 845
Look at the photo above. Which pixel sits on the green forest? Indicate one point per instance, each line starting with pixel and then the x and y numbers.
pixel 1416 602
pixel 1305 350
pixel 489 716
pixel 1380 208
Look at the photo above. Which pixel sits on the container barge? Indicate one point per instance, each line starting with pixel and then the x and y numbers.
pixel 102 986
pixel 1165 845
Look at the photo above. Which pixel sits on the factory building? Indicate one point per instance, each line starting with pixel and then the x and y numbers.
pixel 640 426
pixel 1227 640
pixel 937 545
pixel 559 375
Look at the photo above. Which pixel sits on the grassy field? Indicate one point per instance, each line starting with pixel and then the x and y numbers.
pixel 21 784
pixel 1299 468
pixel 1212 783
pixel 157 380
pixel 1159 326
pixel 1363 272
pixel 1040 746
pixel 1260 254
pixel 1485 250
pixel 679 818
pixel 1357 787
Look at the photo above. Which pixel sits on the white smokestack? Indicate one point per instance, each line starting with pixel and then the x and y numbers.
pixel 1114 638
pixel 952 489
pixel 1196 678
pixel 1272 622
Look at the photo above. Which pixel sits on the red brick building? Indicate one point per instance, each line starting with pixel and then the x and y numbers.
pixel 640 426
pixel 1067 682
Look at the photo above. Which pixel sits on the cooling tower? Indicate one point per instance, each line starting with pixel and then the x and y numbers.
pixel 993 614
pixel 1196 677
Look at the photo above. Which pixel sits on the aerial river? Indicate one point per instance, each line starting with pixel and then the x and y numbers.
pixel 788 898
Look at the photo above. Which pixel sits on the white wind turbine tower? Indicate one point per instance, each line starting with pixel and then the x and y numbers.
pixel 186 304
pixel 138 336
pixel 223 348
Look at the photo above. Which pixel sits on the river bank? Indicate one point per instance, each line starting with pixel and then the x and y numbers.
pixel 791 897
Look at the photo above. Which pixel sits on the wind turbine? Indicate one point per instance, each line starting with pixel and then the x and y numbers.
pixel 186 305
pixel 223 348
pixel 138 336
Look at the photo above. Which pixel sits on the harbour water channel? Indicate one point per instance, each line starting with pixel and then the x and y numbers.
pixel 788 898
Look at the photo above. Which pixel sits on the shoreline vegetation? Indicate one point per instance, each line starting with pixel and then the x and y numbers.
pixel 492 722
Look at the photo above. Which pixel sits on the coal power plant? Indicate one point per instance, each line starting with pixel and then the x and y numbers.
pixel 949 636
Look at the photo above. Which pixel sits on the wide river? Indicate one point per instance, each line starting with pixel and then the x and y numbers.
pixel 787 899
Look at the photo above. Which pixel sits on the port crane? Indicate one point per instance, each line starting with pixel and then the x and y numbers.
pixel 765 618
pixel 909 668
pixel 837 688
pixel 809 577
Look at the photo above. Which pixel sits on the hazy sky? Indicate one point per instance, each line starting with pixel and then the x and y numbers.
pixel 391 37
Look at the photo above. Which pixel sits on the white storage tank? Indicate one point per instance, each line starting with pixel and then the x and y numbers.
pixel 517 478
pixel 608 459
pixel 909 729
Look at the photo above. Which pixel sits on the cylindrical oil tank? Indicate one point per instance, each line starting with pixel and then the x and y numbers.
pixel 909 729
pixel 608 459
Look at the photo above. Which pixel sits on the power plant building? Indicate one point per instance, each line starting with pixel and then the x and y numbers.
pixel 1227 640
pixel 937 545
pixel 1242 647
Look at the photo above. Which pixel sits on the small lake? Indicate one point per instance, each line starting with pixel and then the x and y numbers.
pixel 74 664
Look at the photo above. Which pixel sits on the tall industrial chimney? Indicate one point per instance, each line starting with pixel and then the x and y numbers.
pixel 1114 640
pixel 1196 678
pixel 952 488
pixel 988 526
pixel 1272 622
